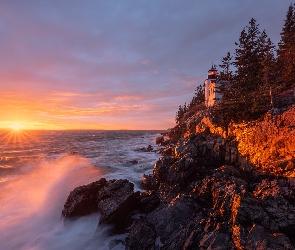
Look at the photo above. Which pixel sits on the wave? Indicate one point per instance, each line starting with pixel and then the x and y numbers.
pixel 32 202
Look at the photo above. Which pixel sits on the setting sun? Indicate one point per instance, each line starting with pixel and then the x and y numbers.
pixel 16 126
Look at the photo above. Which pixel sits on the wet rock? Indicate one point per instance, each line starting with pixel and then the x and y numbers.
pixel 133 162
pixel 195 201
pixel 82 200
pixel 149 148
pixel 115 201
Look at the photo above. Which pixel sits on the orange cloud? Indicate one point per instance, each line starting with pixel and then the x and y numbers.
pixel 127 98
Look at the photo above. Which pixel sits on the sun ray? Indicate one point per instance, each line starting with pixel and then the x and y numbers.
pixel 18 138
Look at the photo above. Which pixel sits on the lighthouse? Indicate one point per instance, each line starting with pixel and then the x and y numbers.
pixel 212 84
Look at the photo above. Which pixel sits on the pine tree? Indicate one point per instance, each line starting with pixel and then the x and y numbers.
pixel 226 63
pixel 198 99
pixel 245 93
pixel 248 61
pixel 269 74
pixel 180 113
pixel 226 77
pixel 286 51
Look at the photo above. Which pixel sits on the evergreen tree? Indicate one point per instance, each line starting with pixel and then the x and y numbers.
pixel 226 63
pixel 199 98
pixel 226 77
pixel 179 114
pixel 269 73
pixel 245 94
pixel 248 61
pixel 286 51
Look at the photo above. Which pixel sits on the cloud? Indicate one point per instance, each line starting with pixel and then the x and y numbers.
pixel 89 58
pixel 127 98
pixel 145 62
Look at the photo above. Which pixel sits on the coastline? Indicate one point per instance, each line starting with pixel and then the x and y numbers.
pixel 207 193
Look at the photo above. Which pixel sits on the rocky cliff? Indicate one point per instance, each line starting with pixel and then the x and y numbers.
pixel 209 190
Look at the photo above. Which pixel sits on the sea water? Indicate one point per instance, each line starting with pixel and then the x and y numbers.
pixel 38 169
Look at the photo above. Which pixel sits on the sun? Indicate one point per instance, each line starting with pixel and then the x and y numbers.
pixel 16 126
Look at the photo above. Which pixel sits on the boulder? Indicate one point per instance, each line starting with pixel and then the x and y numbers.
pixel 82 200
pixel 159 140
pixel 114 199
pixel 149 148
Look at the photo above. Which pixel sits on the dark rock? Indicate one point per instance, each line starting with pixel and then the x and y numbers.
pixel 159 140
pixel 82 200
pixel 188 236
pixel 148 182
pixel 133 162
pixel 195 201
pixel 115 201
pixel 162 141
pixel 176 133
pixel 149 148
pixel 215 240
pixel 142 236
pixel 168 218
pixel 148 201
pixel 168 151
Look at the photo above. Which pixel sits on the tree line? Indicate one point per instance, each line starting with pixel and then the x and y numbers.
pixel 198 99
pixel 256 72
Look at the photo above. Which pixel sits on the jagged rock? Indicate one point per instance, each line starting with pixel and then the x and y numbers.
pixel 148 182
pixel 168 218
pixel 269 144
pixel 162 141
pixel 215 240
pixel 195 201
pixel 159 140
pixel 260 239
pixel 142 236
pixel 187 236
pixel 82 200
pixel 176 133
pixel 115 200
pixel 148 201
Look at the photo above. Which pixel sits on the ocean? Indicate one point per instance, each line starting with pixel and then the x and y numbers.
pixel 38 169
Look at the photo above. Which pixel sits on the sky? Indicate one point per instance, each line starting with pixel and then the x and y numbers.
pixel 129 64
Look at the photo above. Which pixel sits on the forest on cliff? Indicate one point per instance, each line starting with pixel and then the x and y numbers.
pixel 258 76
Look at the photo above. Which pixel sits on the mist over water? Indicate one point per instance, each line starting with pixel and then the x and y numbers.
pixel 33 192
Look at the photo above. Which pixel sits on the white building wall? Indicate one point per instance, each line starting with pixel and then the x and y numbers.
pixel 206 82
pixel 211 95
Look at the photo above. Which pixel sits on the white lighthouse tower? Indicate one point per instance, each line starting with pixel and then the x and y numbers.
pixel 211 85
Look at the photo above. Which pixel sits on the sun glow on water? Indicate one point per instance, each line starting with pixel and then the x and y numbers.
pixel 16 135
pixel 16 126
